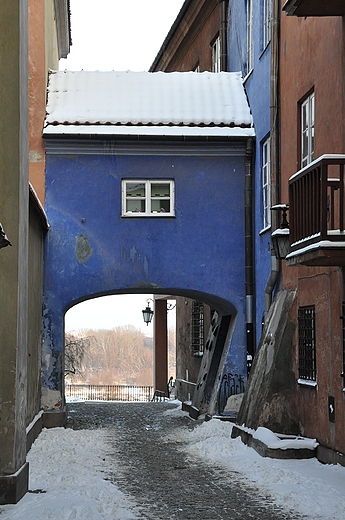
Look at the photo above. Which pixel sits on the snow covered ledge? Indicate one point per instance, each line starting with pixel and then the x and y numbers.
pixel 275 445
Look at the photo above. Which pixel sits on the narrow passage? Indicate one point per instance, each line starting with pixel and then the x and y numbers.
pixel 163 481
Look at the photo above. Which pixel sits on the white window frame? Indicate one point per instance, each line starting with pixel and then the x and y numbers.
pixel 307 130
pixel 266 182
pixel 216 55
pixel 267 23
pixel 147 199
pixel 249 38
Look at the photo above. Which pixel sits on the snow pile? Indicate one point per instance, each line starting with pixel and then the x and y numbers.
pixel 305 486
pixel 67 480
pixel 69 472
pixel 283 442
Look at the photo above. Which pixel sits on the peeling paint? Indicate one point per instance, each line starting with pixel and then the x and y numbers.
pixel 35 156
pixel 51 399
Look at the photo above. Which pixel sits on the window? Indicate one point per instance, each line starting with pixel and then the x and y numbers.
pixel 266 183
pixel 307 130
pixel 306 343
pixel 250 40
pixel 266 26
pixel 143 198
pixel 197 328
pixel 216 55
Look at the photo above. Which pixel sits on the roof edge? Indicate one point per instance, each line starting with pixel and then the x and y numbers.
pixel 171 33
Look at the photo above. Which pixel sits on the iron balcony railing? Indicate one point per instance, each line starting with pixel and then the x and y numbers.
pixel 316 205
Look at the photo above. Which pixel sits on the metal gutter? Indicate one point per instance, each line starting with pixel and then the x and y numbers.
pixel 224 34
pixel 249 260
pixel 271 283
pixel 274 141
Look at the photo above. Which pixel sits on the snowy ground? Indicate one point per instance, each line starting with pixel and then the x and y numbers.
pixel 69 471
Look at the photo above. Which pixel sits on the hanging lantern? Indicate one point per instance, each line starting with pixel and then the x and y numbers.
pixel 147 314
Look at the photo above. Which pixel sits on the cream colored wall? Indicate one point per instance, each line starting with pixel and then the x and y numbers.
pixel 51 41
pixel 14 218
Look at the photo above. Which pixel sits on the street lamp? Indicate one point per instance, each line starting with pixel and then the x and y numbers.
pixel 281 236
pixel 148 313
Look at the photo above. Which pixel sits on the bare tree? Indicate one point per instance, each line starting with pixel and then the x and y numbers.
pixel 76 349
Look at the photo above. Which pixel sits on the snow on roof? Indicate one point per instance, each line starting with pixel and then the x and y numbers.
pixel 150 102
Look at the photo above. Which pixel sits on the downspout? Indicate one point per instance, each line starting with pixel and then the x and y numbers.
pixel 274 145
pixel 223 35
pixel 249 262
pixel 271 282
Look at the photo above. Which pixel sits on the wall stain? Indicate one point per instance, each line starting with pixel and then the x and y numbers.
pixel 83 250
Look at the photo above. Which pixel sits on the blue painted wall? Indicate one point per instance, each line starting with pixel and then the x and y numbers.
pixel 199 252
pixel 257 86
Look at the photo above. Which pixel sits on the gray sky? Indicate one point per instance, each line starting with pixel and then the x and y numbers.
pixel 116 35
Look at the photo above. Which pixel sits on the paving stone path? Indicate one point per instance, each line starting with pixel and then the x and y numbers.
pixel 164 483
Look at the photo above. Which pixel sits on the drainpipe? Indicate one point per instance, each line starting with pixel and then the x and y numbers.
pixel 249 263
pixel 274 110
pixel 223 35
pixel 271 283
pixel 274 142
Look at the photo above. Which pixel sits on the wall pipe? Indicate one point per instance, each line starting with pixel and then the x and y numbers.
pixel 274 110
pixel 274 142
pixel 249 261
pixel 223 35
pixel 271 283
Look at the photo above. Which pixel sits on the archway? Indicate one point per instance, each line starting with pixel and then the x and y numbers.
pixel 109 346
pixel 222 349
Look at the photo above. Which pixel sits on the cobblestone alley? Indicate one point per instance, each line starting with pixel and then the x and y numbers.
pixel 164 483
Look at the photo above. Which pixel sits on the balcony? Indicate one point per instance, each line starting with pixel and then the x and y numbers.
pixel 316 215
pixel 314 7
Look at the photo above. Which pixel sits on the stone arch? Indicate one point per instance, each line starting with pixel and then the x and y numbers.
pixel 225 349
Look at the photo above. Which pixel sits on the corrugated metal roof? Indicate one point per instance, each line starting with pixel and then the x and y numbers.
pixel 144 99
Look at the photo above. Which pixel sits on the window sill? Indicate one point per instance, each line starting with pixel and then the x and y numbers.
pixel 248 75
pixel 307 382
pixel 148 215
pixel 264 50
pixel 264 230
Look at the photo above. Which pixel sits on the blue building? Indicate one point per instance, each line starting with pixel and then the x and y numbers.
pixel 145 194
pixel 250 50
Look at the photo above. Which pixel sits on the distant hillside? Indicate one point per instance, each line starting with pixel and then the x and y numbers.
pixel 123 355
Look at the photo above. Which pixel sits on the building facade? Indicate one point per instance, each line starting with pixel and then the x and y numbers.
pixel 168 177
pixel 302 370
pixel 312 180
pixel 237 36
pixel 26 29
pixel 291 56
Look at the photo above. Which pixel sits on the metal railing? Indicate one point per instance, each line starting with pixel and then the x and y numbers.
pixel 160 396
pixel 110 392
pixel 316 203
pixel 231 384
